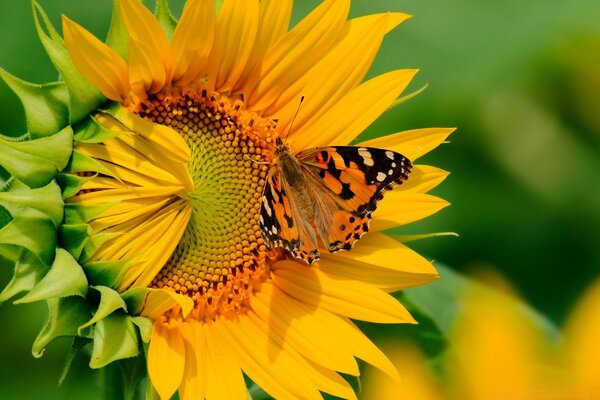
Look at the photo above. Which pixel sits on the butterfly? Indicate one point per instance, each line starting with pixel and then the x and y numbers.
pixel 326 192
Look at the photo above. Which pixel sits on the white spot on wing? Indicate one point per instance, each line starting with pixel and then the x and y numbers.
pixel 390 172
pixel 366 155
pixel 390 154
pixel 380 177
pixel 267 207
pixel 393 165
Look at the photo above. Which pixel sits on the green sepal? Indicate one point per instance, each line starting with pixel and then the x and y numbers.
pixel 65 315
pixel 118 37
pixel 106 273
pixel 81 163
pixel 17 196
pixel 91 131
pixel 33 231
pixel 145 326
pixel 93 244
pixel 71 184
pixel 83 96
pixel 76 346
pixel 135 299
pixel 35 162
pixel 5 219
pixel 165 18
pixel 110 301
pixel 83 213
pixel 408 97
pixel 65 278
pixel 413 238
pixel 45 106
pixel 28 272
pixel 106 348
pixel 72 237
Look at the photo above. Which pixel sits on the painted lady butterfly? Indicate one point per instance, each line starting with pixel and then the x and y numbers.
pixel 330 191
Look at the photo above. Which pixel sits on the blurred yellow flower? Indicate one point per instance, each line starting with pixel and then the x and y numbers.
pixel 497 351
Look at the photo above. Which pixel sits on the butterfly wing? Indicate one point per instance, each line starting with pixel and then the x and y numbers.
pixel 348 182
pixel 282 223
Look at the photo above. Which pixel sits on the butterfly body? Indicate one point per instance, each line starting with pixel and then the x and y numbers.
pixel 327 193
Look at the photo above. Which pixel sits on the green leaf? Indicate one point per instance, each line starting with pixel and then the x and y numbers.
pixel 83 96
pixel 110 301
pixel 165 18
pixel 72 237
pixel 118 37
pixel 115 338
pixel 106 273
pixel 91 131
pixel 45 106
pixel 35 162
pixel 65 315
pixel 64 279
pixel 17 196
pixel 28 272
pixel 32 231
pixel 76 346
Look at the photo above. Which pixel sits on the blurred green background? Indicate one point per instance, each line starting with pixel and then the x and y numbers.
pixel 521 81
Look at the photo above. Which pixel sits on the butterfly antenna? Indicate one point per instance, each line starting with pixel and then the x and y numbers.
pixel 294 119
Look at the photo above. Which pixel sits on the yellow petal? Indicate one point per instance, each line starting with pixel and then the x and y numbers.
pixel 166 139
pixel 264 361
pixel 423 178
pixel 295 53
pixel 336 74
pixel 158 244
pixel 97 62
pixel 388 279
pixel 345 297
pixel 380 250
pixel 349 337
pixel 412 144
pixel 143 27
pixel 401 208
pixel 193 41
pixel 301 330
pixel 224 376
pixel 273 21
pixel 160 301
pixel 345 120
pixel 146 71
pixel 193 384
pixel 166 359
pixel 237 24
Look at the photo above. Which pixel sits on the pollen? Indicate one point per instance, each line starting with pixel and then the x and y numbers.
pixel 221 257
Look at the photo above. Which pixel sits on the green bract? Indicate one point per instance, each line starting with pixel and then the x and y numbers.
pixel 49 241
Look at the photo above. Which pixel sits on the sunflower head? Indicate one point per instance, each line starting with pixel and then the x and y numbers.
pixel 152 160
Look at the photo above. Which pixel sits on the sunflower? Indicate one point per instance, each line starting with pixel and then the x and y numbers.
pixel 162 155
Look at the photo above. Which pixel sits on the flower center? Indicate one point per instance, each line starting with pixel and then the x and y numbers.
pixel 221 257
